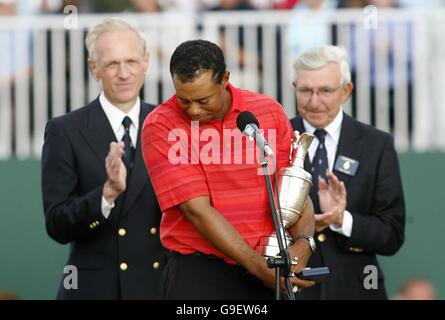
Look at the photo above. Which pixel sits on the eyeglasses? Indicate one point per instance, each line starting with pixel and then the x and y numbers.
pixel 323 93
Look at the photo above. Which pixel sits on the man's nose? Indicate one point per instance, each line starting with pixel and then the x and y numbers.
pixel 314 99
pixel 194 109
pixel 123 71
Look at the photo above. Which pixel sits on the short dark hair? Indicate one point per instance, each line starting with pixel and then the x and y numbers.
pixel 192 57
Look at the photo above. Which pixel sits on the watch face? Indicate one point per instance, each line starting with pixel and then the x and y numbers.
pixel 311 241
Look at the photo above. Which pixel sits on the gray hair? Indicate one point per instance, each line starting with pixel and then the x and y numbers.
pixel 318 57
pixel 107 25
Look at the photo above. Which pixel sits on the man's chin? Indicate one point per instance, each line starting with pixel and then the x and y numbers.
pixel 127 97
pixel 318 121
pixel 202 120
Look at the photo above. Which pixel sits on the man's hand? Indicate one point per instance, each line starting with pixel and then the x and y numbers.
pixel 332 199
pixel 267 276
pixel 116 171
pixel 302 250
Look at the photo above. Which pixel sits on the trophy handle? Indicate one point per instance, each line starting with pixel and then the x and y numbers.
pixel 294 146
pixel 304 142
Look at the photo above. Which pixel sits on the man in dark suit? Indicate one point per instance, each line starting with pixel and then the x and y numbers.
pixel 96 191
pixel 357 190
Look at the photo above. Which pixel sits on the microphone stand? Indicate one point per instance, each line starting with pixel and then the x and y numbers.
pixel 281 263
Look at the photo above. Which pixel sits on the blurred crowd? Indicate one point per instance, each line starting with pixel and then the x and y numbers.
pixel 10 7
pixel 16 63
pixel 416 288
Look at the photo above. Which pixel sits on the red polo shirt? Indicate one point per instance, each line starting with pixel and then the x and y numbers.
pixel 185 160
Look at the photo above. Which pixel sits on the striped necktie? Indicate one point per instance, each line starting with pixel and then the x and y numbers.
pixel 128 157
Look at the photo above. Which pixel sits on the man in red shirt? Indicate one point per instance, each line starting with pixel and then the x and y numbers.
pixel 209 186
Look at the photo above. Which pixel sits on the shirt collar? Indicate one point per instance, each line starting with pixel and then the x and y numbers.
pixel 333 128
pixel 115 115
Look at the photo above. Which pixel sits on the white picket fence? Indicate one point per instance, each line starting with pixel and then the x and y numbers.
pixel 47 58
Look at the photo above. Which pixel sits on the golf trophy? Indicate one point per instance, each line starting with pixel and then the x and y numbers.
pixel 294 183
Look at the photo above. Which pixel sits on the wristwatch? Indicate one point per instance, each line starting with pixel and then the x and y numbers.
pixel 311 241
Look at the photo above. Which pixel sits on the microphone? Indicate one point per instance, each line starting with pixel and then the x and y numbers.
pixel 249 126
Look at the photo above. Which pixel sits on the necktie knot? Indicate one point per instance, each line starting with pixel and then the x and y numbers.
pixel 320 134
pixel 126 123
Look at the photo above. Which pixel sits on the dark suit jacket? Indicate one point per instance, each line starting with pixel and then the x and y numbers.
pixel 376 202
pixel 73 174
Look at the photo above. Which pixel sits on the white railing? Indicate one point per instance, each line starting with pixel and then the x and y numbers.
pixel 48 62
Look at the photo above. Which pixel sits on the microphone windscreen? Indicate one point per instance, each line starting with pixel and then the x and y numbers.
pixel 245 118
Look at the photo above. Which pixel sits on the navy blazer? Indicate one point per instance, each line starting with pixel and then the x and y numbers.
pixel 116 258
pixel 376 202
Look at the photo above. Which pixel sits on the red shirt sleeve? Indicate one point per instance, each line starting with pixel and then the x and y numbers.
pixel 167 157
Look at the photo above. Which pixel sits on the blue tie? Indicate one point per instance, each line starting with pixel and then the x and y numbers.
pixel 319 167
pixel 320 161
pixel 128 157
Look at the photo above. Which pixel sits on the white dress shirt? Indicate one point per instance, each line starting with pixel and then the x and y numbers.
pixel 333 130
pixel 115 117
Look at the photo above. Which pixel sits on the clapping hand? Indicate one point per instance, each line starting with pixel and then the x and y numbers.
pixel 332 198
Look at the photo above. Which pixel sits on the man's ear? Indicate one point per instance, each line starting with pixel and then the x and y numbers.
pixel 225 79
pixel 146 60
pixel 93 68
pixel 347 91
